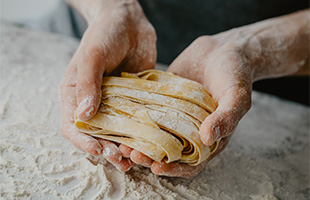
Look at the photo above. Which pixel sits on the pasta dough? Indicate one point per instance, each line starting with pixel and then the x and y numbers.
pixel 154 112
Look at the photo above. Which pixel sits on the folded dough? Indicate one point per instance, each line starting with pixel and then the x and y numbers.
pixel 154 112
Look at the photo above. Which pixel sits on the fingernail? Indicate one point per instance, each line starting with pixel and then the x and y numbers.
pixel 208 139
pixel 90 110
pixel 211 137
pixel 99 150
pixel 121 167
pixel 85 103
pixel 109 154
pixel 106 152
pixel 120 158
pixel 216 132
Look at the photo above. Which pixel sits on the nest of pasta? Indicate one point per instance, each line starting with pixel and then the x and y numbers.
pixel 154 112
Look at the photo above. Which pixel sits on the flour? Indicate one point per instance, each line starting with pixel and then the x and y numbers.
pixel 267 157
pixel 85 103
pixel 88 112
pixel 107 152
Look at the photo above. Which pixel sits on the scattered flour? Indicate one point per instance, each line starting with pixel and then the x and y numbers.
pixel 88 112
pixel 268 157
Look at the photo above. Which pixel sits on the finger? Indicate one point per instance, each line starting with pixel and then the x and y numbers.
pixel 110 152
pixel 124 165
pixel 89 80
pixel 95 58
pixel 233 105
pixel 80 140
pixel 68 106
pixel 139 158
pixel 125 150
pixel 175 169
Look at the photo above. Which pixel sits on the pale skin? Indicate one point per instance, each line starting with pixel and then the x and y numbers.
pixel 119 37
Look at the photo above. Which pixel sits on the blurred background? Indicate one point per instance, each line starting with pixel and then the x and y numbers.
pixel 32 13
pixel 27 12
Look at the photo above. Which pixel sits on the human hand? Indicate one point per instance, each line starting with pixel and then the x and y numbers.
pixel 224 73
pixel 227 64
pixel 118 38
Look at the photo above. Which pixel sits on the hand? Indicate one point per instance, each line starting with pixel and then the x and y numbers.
pixel 118 37
pixel 227 64
pixel 224 72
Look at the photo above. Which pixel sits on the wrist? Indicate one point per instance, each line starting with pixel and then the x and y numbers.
pixel 274 47
pixel 279 46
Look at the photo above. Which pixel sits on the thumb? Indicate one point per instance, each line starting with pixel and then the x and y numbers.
pixel 233 105
pixel 90 71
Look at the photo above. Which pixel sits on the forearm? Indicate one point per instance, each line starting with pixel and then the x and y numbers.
pixel 279 46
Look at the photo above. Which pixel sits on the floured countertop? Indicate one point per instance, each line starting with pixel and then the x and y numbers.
pixel 267 158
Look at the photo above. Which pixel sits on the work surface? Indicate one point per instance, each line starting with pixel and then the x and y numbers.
pixel 267 158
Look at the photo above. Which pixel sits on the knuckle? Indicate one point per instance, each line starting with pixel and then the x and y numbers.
pixel 61 86
pixel 65 130
pixel 87 83
pixel 248 105
pixel 147 28
pixel 91 86
pixel 94 50
pixel 155 171
pixel 64 133
pixel 62 89
pixel 67 81
pixel 152 32
pixel 203 39
pixel 241 91
pixel 244 97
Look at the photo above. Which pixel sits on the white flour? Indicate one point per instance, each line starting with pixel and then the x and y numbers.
pixel 268 157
